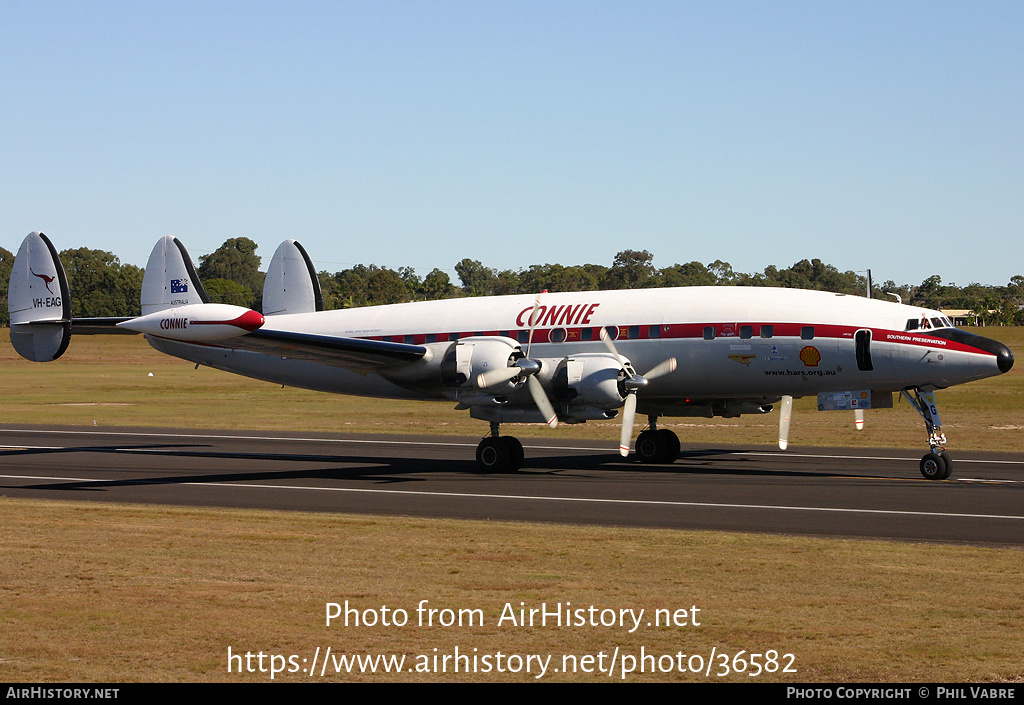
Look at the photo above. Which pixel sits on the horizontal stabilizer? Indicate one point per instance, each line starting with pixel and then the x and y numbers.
pixel 170 280
pixel 291 285
pixel 102 325
pixel 38 301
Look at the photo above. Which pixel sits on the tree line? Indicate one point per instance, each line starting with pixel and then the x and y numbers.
pixel 102 286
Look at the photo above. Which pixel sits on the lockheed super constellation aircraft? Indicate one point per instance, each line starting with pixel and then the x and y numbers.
pixel 555 357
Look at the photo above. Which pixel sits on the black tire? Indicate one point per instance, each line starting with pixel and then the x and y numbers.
pixel 516 452
pixel 494 455
pixel 934 467
pixel 651 447
pixel 671 445
pixel 949 465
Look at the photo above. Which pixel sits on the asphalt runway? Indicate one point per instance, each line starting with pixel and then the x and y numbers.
pixel 849 492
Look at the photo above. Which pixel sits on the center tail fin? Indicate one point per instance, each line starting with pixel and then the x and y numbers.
pixel 291 285
pixel 170 279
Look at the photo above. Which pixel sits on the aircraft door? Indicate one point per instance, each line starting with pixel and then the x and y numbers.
pixel 862 340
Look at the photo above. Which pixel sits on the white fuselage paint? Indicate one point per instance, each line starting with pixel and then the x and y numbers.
pixel 736 363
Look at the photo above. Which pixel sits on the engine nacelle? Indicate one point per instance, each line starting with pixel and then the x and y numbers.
pixel 451 368
pixel 468 358
pixel 590 380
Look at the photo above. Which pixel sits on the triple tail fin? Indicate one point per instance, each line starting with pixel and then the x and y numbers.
pixel 170 279
pixel 39 301
pixel 291 285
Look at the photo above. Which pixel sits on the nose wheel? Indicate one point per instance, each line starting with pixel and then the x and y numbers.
pixel 936 464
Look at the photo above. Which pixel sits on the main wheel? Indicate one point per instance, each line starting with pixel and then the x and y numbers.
pixel 935 466
pixel 493 455
pixel 516 449
pixel 497 455
pixel 653 447
pixel 671 445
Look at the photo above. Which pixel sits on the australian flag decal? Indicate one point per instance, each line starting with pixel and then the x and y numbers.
pixel 179 286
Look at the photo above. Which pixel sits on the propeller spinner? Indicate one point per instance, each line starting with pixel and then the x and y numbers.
pixel 524 368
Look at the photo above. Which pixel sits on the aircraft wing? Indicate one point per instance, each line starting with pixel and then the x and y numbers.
pixel 356 354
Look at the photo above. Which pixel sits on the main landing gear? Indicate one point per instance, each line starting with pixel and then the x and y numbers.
pixel 499 454
pixel 936 464
pixel 504 454
pixel 656 446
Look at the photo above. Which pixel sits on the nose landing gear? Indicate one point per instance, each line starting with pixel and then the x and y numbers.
pixel 936 464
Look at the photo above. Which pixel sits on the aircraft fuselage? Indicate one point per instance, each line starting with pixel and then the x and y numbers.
pixel 730 342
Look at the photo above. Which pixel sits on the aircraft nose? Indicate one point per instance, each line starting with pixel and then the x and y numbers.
pixel 1004 356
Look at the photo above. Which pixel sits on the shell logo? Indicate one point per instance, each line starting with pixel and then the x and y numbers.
pixel 810 356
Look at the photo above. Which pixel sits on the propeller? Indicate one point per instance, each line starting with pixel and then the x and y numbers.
pixel 785 414
pixel 524 367
pixel 633 383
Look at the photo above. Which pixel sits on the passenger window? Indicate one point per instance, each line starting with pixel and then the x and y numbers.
pixel 523 336
pixel 633 333
pixel 767 331
pixel 807 333
pixel 587 334
pixel 557 335
pixel 746 332
pixel 654 332
pixel 709 332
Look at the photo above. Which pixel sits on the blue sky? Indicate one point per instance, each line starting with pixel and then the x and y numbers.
pixel 871 135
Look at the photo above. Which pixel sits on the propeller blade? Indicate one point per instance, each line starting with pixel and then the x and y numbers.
pixel 611 347
pixel 541 400
pixel 785 414
pixel 493 378
pixel 532 322
pixel 662 368
pixel 858 419
pixel 628 414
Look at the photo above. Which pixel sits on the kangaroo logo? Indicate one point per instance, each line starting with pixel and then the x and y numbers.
pixel 46 280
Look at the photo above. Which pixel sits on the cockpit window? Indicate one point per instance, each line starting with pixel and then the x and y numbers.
pixel 926 323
